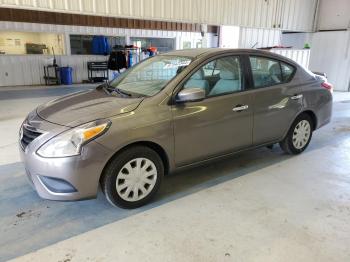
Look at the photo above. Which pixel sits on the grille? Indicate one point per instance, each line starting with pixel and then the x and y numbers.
pixel 28 135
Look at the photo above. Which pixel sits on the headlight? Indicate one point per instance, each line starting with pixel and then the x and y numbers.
pixel 69 143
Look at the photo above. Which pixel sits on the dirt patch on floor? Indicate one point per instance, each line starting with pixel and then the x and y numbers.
pixel 25 215
pixel 342 129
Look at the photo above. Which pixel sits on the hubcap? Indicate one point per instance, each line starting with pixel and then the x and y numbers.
pixel 301 134
pixel 136 179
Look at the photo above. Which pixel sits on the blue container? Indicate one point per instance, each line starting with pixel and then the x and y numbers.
pixel 95 45
pixel 107 48
pixel 66 75
pixel 130 59
pixel 100 45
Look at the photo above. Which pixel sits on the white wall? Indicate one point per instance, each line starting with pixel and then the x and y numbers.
pixel 14 42
pixel 330 50
pixel 284 14
pixel 330 53
pixel 301 56
pixel 259 37
pixel 334 14
pixel 296 40
pixel 298 15
pixel 229 36
pixel 29 69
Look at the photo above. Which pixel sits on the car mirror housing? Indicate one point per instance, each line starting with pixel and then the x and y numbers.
pixel 190 94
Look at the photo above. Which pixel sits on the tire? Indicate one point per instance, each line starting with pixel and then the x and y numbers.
pixel 133 177
pixel 298 136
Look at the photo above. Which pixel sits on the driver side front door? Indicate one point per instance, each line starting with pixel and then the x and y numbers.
pixel 219 124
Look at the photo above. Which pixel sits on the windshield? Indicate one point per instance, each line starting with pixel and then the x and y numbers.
pixel 150 76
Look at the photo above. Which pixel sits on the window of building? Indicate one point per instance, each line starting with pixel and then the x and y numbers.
pixel 162 44
pixel 82 44
pixel 21 43
pixel 186 44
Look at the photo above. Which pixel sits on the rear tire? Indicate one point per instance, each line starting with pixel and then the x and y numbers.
pixel 133 177
pixel 298 136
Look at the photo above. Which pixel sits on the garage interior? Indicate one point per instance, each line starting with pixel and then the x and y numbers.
pixel 258 205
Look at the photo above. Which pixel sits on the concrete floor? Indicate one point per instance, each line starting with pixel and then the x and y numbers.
pixel 261 205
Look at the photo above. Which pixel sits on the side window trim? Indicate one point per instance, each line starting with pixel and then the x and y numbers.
pixel 293 73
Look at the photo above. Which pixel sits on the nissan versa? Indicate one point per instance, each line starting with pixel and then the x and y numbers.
pixel 169 112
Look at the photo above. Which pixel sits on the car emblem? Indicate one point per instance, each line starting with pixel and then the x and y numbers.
pixel 29 127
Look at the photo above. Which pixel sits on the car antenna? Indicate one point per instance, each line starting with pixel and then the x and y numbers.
pixel 255 45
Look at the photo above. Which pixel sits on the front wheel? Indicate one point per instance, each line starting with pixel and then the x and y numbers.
pixel 299 135
pixel 133 177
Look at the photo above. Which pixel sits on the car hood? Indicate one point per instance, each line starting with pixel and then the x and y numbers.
pixel 85 106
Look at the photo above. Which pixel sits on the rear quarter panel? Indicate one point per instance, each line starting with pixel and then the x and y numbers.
pixel 318 100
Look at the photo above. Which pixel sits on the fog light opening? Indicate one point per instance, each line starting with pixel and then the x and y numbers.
pixel 57 185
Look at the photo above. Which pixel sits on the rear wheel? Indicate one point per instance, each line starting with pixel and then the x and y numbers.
pixel 133 177
pixel 299 135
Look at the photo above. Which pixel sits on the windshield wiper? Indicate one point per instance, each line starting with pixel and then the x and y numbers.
pixel 116 89
pixel 108 87
pixel 122 92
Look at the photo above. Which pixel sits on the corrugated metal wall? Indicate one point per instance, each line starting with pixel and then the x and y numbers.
pixel 330 53
pixel 301 56
pixel 297 15
pixel 29 69
pixel 90 30
pixel 259 37
pixel 283 14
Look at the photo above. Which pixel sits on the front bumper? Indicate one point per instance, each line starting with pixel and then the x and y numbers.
pixel 66 178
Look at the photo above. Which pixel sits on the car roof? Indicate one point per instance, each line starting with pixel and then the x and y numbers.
pixel 199 52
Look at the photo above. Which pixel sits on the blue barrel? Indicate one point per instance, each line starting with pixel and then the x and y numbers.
pixel 66 75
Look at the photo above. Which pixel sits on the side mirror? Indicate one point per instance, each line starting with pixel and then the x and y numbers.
pixel 190 94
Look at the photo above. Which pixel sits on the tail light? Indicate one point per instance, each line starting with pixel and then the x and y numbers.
pixel 328 86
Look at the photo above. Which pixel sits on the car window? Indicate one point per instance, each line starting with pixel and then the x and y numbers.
pixel 266 71
pixel 210 69
pixel 287 71
pixel 151 75
pixel 220 76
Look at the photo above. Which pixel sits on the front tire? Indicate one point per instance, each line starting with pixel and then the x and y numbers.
pixel 133 177
pixel 299 135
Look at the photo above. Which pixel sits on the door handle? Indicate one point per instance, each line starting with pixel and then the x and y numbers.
pixel 240 108
pixel 295 97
